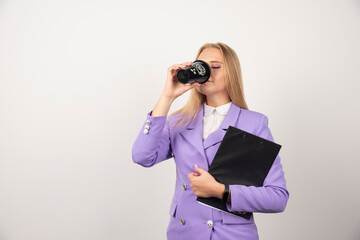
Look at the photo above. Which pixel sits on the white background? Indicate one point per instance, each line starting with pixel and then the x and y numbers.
pixel 77 79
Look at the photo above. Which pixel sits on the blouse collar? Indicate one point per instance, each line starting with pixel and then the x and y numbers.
pixel 219 110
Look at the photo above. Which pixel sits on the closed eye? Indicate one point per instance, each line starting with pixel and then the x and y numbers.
pixel 215 67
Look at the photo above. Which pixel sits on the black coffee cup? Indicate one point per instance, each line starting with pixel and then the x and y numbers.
pixel 199 71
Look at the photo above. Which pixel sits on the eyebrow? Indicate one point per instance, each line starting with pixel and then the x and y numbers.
pixel 216 61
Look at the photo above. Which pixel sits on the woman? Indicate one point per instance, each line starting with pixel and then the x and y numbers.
pixel 192 136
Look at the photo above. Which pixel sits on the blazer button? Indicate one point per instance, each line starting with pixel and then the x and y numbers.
pixel 184 186
pixel 147 127
pixel 209 223
pixel 182 221
pixel 146 131
pixel 148 122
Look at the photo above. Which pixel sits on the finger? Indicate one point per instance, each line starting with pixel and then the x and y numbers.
pixel 192 85
pixel 189 176
pixel 187 63
pixel 195 174
pixel 195 84
pixel 175 67
pixel 181 65
pixel 192 175
pixel 200 170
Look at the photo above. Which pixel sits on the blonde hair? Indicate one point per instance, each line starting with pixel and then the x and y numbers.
pixel 233 82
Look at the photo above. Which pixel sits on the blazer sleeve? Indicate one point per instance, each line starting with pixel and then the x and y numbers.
pixel 154 146
pixel 272 197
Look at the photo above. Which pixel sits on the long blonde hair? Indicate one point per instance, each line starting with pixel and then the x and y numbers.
pixel 233 81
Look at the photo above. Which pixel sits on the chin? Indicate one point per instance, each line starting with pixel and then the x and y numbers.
pixel 204 92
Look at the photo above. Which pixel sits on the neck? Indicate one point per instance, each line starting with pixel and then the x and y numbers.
pixel 215 102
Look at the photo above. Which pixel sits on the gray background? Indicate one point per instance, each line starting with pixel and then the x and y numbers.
pixel 77 79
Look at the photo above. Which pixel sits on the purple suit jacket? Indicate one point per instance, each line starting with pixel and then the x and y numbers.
pixel 188 218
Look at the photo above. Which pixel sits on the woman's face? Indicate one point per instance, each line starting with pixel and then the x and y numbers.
pixel 215 86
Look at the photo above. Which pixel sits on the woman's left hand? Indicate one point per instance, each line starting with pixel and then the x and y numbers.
pixel 204 184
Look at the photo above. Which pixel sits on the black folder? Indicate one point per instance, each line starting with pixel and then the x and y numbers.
pixel 241 159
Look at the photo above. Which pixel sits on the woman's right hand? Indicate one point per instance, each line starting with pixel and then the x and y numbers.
pixel 173 88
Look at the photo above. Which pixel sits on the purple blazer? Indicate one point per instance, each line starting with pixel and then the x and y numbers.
pixel 189 219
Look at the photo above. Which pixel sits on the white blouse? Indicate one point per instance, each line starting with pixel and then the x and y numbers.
pixel 213 118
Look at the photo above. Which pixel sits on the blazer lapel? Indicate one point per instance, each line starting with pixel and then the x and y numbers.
pixel 193 133
pixel 218 135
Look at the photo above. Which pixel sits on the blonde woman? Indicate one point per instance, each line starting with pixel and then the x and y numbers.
pixel 192 135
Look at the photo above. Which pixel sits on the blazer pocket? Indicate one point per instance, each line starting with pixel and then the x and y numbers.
pixel 173 207
pixel 229 218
